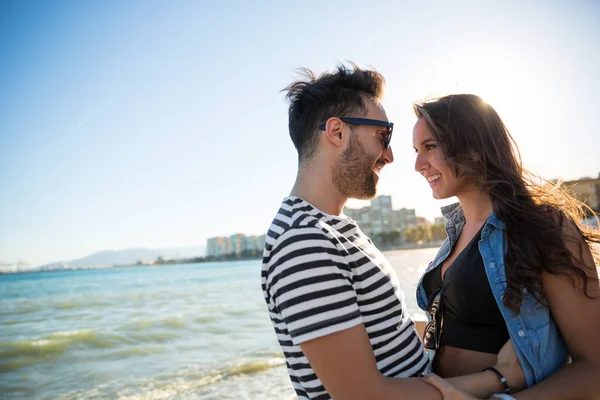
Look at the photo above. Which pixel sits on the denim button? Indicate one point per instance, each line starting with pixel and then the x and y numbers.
pixel 502 297
pixel 492 265
pixel 521 333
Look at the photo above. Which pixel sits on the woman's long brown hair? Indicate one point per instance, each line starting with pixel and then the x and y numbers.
pixel 540 216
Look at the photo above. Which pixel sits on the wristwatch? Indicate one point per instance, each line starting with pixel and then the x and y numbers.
pixel 502 396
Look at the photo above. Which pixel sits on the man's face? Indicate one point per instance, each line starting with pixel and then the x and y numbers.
pixel 356 173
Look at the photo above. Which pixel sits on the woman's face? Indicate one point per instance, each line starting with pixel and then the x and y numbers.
pixel 432 164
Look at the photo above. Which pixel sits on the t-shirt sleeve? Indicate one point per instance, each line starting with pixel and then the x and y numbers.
pixel 310 284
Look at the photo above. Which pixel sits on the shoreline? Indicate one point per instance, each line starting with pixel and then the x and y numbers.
pixel 199 260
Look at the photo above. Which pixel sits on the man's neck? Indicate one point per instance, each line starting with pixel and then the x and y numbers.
pixel 316 187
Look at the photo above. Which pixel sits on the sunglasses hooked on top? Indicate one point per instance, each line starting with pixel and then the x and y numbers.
pixel 433 330
pixel 370 122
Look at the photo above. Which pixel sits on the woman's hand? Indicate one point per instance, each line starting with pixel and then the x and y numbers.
pixel 448 391
pixel 508 364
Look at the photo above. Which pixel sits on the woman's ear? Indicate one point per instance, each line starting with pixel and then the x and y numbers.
pixel 475 156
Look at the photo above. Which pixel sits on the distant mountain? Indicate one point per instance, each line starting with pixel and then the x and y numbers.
pixel 132 256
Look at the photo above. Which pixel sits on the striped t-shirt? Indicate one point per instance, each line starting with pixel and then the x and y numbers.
pixel 320 275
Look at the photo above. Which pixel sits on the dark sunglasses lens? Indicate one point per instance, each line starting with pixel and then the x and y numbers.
pixel 387 138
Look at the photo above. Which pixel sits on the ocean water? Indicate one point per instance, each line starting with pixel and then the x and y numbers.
pixel 192 331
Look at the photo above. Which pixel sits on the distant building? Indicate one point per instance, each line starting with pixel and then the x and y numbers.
pixel 423 221
pixel 254 243
pixel 404 218
pixel 586 190
pixel 236 244
pixel 381 217
pixel 218 246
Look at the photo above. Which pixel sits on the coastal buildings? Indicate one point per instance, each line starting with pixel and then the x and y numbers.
pixel 237 244
pixel 586 190
pixel 377 219
pixel 380 217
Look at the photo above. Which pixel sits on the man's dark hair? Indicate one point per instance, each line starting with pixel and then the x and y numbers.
pixel 340 93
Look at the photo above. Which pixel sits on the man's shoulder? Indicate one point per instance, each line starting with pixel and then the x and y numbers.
pixel 282 232
pixel 297 231
pixel 294 217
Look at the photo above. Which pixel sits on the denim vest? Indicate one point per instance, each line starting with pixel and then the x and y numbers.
pixel 536 338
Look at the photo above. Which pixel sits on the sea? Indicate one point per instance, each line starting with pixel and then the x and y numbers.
pixel 187 331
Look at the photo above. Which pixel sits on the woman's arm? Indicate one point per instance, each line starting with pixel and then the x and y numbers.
pixel 578 318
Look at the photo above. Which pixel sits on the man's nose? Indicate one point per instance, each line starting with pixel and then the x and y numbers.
pixel 388 155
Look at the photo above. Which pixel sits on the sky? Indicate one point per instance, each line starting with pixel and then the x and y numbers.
pixel 159 124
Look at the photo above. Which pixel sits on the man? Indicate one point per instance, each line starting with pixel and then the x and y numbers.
pixel 334 300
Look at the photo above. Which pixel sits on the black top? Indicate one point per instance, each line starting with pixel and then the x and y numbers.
pixel 471 317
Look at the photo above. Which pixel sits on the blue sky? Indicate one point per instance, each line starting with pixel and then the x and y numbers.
pixel 159 124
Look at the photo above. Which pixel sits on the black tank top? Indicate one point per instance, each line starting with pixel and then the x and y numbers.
pixel 472 319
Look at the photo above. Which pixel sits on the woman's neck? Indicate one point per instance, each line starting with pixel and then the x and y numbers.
pixel 476 206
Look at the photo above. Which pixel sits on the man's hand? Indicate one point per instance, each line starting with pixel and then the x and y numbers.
pixel 448 391
pixel 508 364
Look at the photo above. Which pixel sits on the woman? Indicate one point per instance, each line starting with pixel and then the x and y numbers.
pixel 517 263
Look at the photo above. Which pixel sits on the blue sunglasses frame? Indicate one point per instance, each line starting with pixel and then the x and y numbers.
pixel 370 122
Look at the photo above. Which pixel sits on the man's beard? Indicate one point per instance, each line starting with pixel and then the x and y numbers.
pixel 353 174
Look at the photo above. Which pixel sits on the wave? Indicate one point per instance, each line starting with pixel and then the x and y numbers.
pixel 54 343
pixel 158 337
pixel 128 352
pixel 182 383
pixel 13 322
pixel 254 366
pixel 144 324
pixel 208 318
pixel 20 309
pixel 15 355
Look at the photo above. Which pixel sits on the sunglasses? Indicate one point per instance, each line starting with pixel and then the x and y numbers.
pixel 371 122
pixel 432 334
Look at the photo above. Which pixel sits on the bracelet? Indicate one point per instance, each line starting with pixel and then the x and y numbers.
pixel 502 396
pixel 502 378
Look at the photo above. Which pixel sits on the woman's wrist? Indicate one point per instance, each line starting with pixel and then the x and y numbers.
pixel 502 396
pixel 515 379
pixel 494 385
pixel 501 378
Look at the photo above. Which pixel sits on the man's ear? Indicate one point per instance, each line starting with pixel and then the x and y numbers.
pixel 333 131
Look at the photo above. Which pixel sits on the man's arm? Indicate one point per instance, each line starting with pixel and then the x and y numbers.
pixel 345 364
